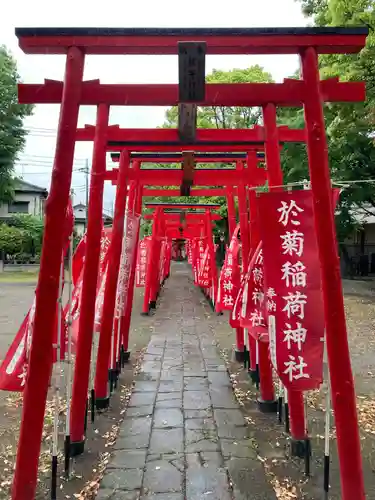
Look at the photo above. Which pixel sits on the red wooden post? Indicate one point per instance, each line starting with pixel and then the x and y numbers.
pixel 232 226
pixel 125 321
pixel 341 377
pixel 243 210
pixel 243 214
pixel 211 249
pixel 252 162
pixel 297 421
pixel 266 402
pixel 155 270
pixel 252 165
pixel 90 277
pixel 150 265
pixel 104 348
pixel 274 174
pixel 40 361
pixel 231 211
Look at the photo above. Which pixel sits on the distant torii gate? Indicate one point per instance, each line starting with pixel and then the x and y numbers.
pixel 202 220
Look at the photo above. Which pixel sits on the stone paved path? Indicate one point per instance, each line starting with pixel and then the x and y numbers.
pixel 183 436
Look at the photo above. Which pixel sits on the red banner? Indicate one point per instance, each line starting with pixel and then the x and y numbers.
pixel 127 257
pixel 253 313
pixel 198 251
pixel 293 288
pixel 189 251
pixel 205 274
pixel 142 257
pixel 13 370
pixel 78 262
pixel 230 276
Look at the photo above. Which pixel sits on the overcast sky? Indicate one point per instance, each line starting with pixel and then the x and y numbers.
pixel 39 150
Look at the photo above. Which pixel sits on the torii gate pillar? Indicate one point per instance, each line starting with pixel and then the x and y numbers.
pixel 89 284
pixel 40 362
pixel 104 348
pixel 341 377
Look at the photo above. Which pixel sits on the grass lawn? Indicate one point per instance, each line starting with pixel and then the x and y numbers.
pixel 19 277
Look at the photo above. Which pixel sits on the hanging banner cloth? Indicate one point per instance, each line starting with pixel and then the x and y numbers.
pixel 252 312
pixel 293 288
pixel 198 253
pixel 127 257
pixel 205 273
pixel 142 257
pixel 128 254
pixel 13 369
pixel 189 251
pixel 78 265
pixel 230 275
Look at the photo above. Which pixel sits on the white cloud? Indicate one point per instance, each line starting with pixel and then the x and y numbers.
pixel 132 69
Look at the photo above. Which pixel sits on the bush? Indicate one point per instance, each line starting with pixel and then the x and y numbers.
pixel 32 228
pixel 12 240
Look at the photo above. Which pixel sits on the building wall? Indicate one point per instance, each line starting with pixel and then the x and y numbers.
pixel 361 246
pixel 80 213
pixel 370 234
pixel 79 226
pixel 36 204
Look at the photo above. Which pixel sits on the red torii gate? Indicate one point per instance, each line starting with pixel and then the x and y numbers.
pixel 202 220
pixel 75 43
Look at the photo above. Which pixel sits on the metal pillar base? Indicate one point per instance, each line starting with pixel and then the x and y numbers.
pixel 299 448
pixel 77 448
pixel 239 356
pixel 254 376
pixel 102 403
pixel 267 406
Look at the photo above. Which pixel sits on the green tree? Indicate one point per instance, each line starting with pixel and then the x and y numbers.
pixel 224 117
pixel 12 132
pixel 350 127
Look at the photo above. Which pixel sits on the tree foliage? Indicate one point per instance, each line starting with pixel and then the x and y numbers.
pixel 224 117
pixel 23 234
pixel 12 240
pixel 12 132
pixel 350 127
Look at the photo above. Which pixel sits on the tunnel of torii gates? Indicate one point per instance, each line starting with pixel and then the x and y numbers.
pixel 191 46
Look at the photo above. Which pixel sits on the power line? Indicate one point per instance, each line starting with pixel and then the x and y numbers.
pixel 26 172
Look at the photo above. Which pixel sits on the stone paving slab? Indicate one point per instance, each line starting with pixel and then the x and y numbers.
pixel 183 436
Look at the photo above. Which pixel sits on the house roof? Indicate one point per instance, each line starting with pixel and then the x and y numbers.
pixel 82 206
pixel 26 187
pixel 79 205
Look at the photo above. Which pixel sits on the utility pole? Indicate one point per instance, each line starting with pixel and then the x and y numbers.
pixel 87 191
